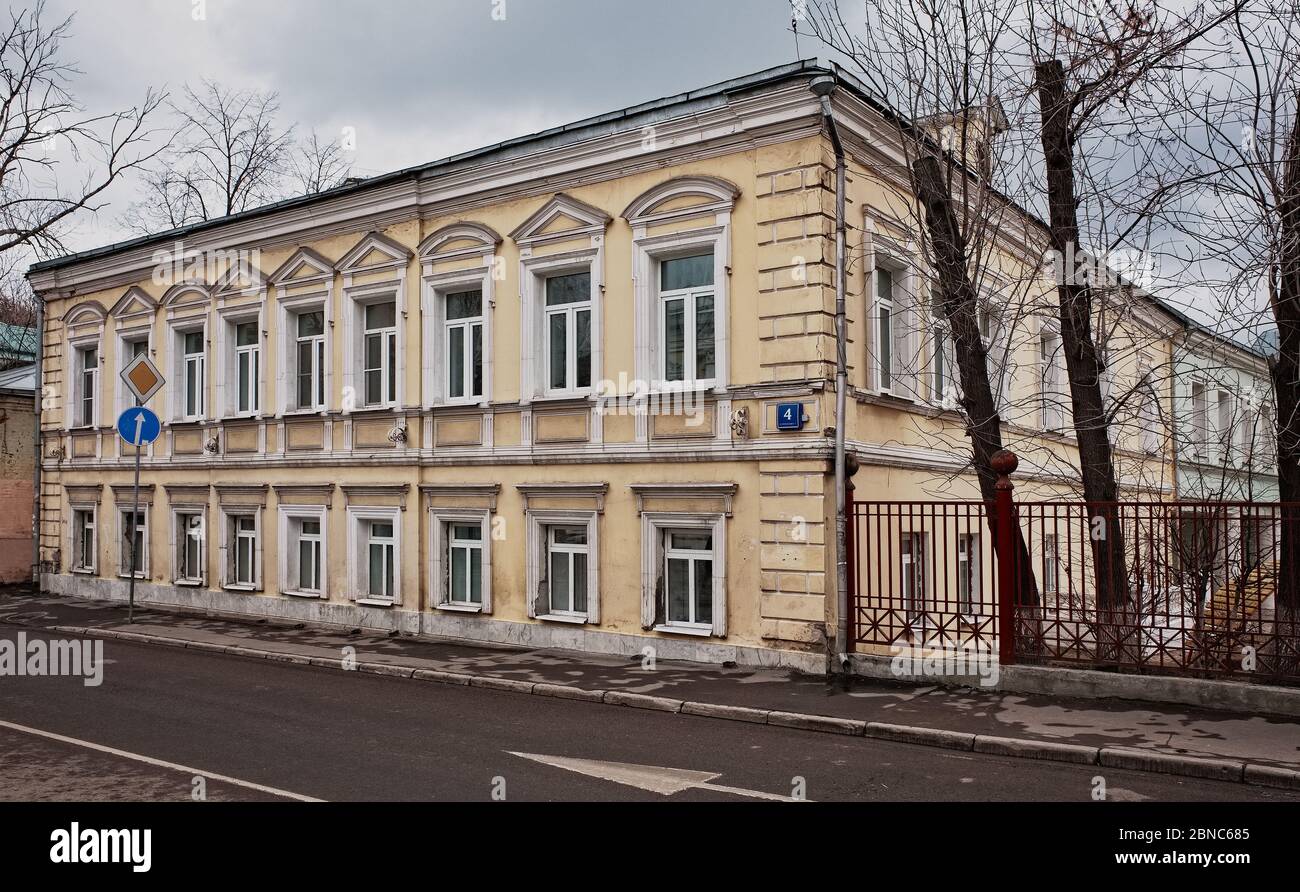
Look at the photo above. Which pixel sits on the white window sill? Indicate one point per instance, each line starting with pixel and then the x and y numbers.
pixel 137 576
pixel 296 593
pixel 240 588
pixel 376 602
pixel 564 618
pixel 84 571
pixel 189 583
pixel 468 403
pixel 241 416
pixel 300 413
pixel 557 396
pixel 460 608
pixel 697 631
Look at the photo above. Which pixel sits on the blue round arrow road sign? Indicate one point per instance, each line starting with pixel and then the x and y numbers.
pixel 138 426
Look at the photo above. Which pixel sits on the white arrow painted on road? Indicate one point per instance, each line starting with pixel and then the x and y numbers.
pixel 656 779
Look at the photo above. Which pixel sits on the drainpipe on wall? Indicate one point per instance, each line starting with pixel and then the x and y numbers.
pixel 824 87
pixel 36 444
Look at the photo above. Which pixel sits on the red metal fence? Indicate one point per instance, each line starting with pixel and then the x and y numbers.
pixel 1163 587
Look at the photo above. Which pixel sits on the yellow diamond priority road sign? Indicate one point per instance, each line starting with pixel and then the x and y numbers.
pixel 142 378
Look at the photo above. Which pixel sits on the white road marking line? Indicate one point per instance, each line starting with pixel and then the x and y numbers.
pixel 159 763
pixel 656 779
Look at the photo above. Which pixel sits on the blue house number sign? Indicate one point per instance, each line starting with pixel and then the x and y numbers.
pixel 789 416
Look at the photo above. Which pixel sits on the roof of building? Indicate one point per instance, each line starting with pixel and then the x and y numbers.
pixel 577 131
pixel 21 377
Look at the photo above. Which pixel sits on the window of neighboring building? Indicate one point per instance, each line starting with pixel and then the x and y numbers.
pixel 968 574
pixel 189 547
pixel 1223 423
pixel 1051 566
pixel 87 391
pixel 248 371
pixel 379 353
pixel 885 334
pixel 686 319
pixel 193 374
pixel 134 551
pixel 463 344
pixel 84 540
pixel 309 357
pixel 567 326
pixel 1051 388
pixel 912 575
pixel 1200 419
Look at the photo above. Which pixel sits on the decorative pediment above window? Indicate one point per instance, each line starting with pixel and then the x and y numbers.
pixel 389 495
pixel 461 495
pixel 135 303
pixel 303 267
pixel 304 493
pixel 540 495
pixel 186 295
pixel 459 241
pixel 698 497
pixel 89 312
pixel 241 278
pixel 680 198
pixel 560 219
pixel 375 252
pixel 187 495
pixel 84 493
pixel 236 494
pixel 124 494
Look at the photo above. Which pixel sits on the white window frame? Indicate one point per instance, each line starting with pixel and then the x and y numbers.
pixel 903 311
pixel 440 522
pixel 655 526
pixel 289 515
pixel 181 366
pixel 177 535
pixel 359 520
pixel 647 253
pixel 1148 409
pixel 143 530
pixel 1224 415
pixel 691 379
pixel 570 313
pixel 436 326
pixel 80 384
pixel 968 553
pixel 1051 386
pixel 75 549
pixel 356 299
pixel 917 602
pixel 289 311
pixel 1052 568
pixel 228 353
pixel 538 561
pixel 1200 419
pixel 230 536
pixel 390 362
pixel 534 371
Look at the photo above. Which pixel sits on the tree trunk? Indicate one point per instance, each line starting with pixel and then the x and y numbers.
pixel 1284 369
pixel 1115 629
pixel 958 303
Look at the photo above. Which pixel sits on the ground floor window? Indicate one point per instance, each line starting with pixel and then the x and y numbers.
pixel 242 550
pixel 134 551
pixel 913 578
pixel 461 562
pixel 1051 565
pixel 380 557
pixel 684 573
pixel 374 554
pixel 84 540
pixel 562 574
pixel 302 551
pixel 189 547
pixel 968 574
pixel 566 561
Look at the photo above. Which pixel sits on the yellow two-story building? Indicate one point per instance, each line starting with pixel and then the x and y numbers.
pixel 571 390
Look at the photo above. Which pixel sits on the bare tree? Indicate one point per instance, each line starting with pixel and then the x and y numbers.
pixel 39 120
pixel 231 155
pixel 316 165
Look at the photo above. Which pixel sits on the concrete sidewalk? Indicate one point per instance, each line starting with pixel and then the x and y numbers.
pixel 1105 732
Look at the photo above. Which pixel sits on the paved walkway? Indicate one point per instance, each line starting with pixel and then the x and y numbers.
pixel 1168 729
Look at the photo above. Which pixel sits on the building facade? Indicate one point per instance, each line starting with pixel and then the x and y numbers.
pixel 573 390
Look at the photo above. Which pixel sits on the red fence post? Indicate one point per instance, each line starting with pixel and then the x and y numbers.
pixel 851 568
pixel 1004 463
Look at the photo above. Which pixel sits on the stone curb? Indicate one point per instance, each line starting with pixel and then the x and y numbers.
pixel 1230 770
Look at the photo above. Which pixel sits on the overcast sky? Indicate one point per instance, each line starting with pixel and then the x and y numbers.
pixel 418 79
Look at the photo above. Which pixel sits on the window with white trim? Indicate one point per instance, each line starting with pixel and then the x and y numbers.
pixel 464 564
pixel 461 559
pixel 567 556
pixel 684 573
pixel 567 326
pixel 309 359
pixel 379 353
pixel 1223 424
pixel 688 578
pixel 1051 565
pixel 687 320
pixel 84 540
pixel 140 541
pixel 886 363
pixel 189 547
pixel 913 576
pixel 968 574
pixel 303 551
pixel 1148 409
pixel 463 344
pixel 1200 420
pixel 87 386
pixel 1051 387
pixel 380 559
pixel 248 367
pixel 193 373
pixel 243 550
pixel 132 348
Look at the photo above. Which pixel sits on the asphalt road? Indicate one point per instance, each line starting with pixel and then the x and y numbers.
pixel 260 730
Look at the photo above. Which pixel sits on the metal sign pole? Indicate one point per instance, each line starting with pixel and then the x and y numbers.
pixel 135 518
